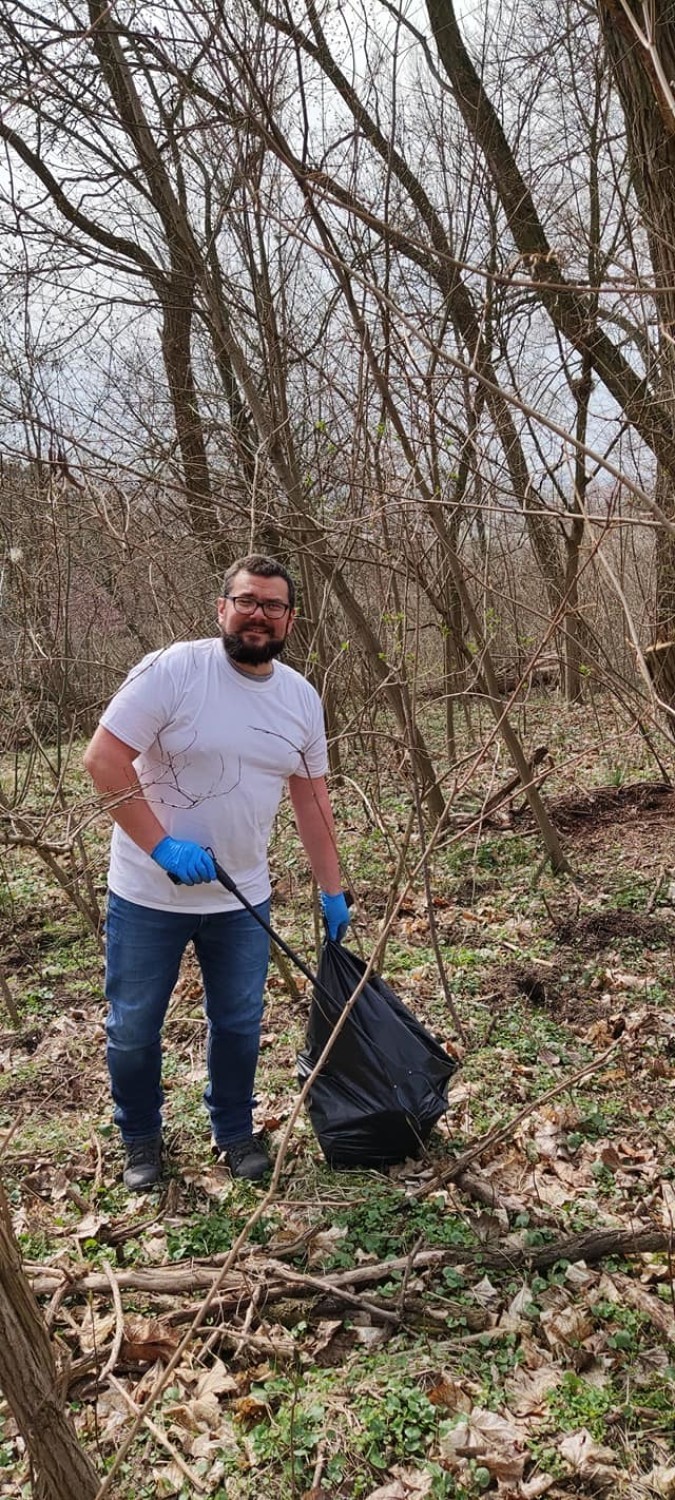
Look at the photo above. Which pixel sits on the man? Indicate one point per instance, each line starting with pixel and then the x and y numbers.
pixel 191 756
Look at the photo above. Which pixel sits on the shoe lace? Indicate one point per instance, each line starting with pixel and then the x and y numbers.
pixel 139 1152
pixel 239 1149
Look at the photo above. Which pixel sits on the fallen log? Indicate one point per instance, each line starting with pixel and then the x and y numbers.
pixel 591 1245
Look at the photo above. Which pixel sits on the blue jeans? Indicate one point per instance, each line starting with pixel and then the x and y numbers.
pixel 144 948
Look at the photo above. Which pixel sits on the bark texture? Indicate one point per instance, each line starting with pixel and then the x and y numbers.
pixel 643 66
pixel 569 310
pixel 30 1383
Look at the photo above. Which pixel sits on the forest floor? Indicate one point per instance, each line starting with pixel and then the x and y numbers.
pixel 505 1326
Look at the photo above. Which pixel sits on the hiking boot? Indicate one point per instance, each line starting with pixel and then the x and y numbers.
pixel 247 1158
pixel 143 1164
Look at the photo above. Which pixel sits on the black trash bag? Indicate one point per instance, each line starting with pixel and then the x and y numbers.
pixel 384 1084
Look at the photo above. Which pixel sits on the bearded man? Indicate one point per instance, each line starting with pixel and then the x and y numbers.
pixel 190 759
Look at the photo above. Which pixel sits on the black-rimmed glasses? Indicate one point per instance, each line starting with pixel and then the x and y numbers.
pixel 247 604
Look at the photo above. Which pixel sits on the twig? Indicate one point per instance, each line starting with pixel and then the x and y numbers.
pixel 8 998
pixel 119 1323
pixel 654 895
pixel 253 1304
pixel 511 788
pixel 431 914
pixel 98 1175
pixel 15 1125
pixel 161 1437
pixel 590 1245
pixel 550 914
pixel 497 1137
pixel 57 1299
pixel 318 1467
pixel 279 1349
pixel 669 1211
pixel 332 1288
pixel 287 975
pixel 407 1274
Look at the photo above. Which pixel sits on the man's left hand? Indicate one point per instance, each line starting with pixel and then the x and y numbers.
pixel 336 915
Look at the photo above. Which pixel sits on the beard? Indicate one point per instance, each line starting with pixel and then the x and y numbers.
pixel 251 655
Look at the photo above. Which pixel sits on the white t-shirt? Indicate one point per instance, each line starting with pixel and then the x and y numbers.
pixel 215 749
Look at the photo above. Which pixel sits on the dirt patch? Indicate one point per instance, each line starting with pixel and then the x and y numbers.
pixel 606 929
pixel 554 986
pixel 549 987
pixel 597 807
pixel 608 804
pixel 552 989
pixel 469 890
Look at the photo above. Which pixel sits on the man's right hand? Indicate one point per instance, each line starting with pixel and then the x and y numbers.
pixel 186 862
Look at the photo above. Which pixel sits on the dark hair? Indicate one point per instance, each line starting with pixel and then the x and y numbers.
pixel 261 567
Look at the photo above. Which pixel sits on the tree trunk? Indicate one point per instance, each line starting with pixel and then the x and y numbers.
pixel 439 262
pixel 573 625
pixel 30 1383
pixel 636 57
pixel 570 312
pixel 177 315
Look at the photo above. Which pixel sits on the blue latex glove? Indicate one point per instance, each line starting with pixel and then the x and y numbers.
pixel 185 862
pixel 335 914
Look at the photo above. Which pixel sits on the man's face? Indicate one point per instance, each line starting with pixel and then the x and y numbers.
pixel 253 639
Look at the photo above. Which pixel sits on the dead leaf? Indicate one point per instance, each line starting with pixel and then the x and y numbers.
pixel 195 1415
pixel 206 1445
pixel 617 980
pixel 522 1299
pixel 496 1440
pixel 249 1409
pixel 371 1337
pixel 451 1394
pixel 146 1340
pixel 549 1188
pixel 662 1481
pixel 169 1480
pixel 90 1227
pixel 323 1244
pixel 547 1137
pixel 216 1381
pixel 577 1274
pixel 566 1326
pixel 586 1457
pixel 668 1206
pixel 526 1390
pixel 608 1291
pixel 408 1484
pixel 532 1355
pixel 95 1331
pixel 216 1181
pixel 485 1293
pixel 531 1489
pixel 462 1090
pixel 326 1331
pixel 417 1483
pixel 659 1315
pixel 154 1248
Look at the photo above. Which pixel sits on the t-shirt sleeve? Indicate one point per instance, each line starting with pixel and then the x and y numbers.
pixel 314 760
pixel 143 704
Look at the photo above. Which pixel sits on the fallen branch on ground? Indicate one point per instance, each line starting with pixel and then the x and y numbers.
pixel 591 1245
